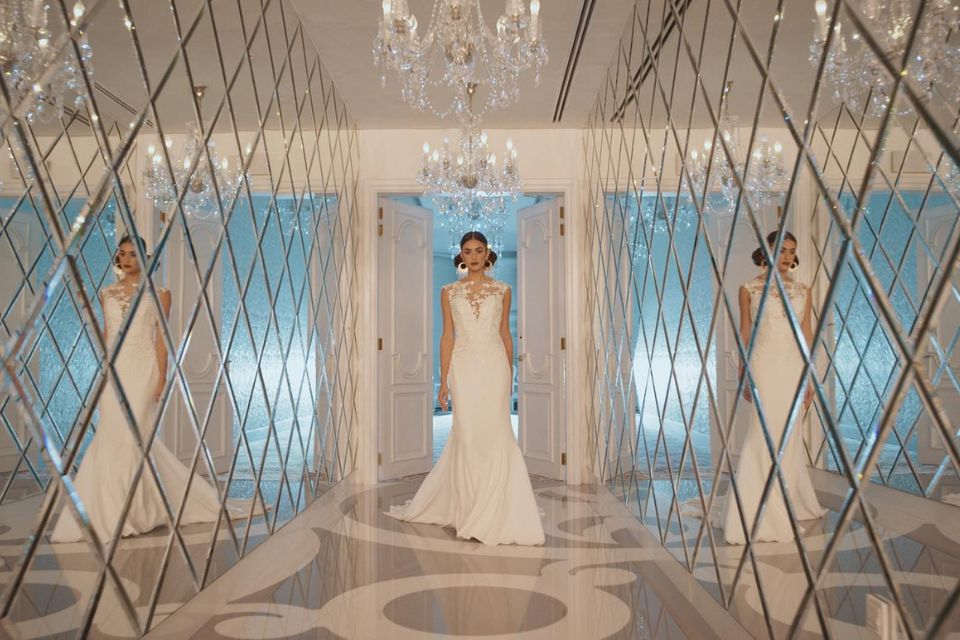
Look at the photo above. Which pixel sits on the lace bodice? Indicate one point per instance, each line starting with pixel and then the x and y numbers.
pixel 117 299
pixel 775 324
pixel 477 309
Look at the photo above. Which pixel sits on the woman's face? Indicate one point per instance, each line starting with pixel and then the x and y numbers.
pixel 788 255
pixel 474 255
pixel 127 259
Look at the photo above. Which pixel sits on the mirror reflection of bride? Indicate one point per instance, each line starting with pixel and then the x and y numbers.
pixel 110 463
pixel 776 363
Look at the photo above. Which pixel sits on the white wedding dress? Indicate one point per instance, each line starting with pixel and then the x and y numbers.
pixel 775 364
pixel 108 466
pixel 480 484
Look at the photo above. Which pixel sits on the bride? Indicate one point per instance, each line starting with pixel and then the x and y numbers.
pixel 480 484
pixel 775 366
pixel 108 466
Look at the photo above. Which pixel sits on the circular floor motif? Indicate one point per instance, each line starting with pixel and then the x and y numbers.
pixel 475 610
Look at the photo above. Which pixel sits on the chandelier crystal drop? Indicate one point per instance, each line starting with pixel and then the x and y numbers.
pixel 458 52
pixel 27 51
pixel 192 175
pixel 468 185
pixel 763 182
pixel 861 81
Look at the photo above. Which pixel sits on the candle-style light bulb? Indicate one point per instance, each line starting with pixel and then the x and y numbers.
pixel 534 19
pixel 387 8
pixel 483 137
pixel 509 143
pixel 436 155
pixel 426 148
pixel 777 147
pixel 151 149
pixel 820 6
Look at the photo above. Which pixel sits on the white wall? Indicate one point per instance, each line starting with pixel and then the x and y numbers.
pixel 394 154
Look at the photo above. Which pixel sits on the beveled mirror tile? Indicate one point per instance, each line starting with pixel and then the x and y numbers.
pixel 256 403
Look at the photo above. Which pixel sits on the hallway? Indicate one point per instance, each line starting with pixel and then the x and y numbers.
pixel 344 570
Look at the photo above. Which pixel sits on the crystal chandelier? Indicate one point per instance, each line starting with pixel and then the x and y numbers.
pixel 466 185
pixel 459 52
pixel 26 54
pixel 763 183
pixel 192 175
pixel 654 212
pixel 860 79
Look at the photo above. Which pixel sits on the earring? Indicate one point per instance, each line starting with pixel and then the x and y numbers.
pixel 462 267
pixel 487 264
pixel 794 267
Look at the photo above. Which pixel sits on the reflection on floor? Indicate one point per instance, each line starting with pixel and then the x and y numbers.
pixel 344 570
pixel 57 587
pixel 920 538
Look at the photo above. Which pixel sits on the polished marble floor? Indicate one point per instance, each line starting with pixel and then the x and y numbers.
pixel 56 590
pixel 344 570
pixel 920 540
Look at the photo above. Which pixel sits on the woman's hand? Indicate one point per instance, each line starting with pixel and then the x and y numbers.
pixel 746 393
pixel 443 397
pixel 158 391
pixel 807 397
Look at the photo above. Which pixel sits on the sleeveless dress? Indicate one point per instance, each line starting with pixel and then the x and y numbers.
pixel 775 364
pixel 106 472
pixel 480 484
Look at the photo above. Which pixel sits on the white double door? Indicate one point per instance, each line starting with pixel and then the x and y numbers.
pixel 407 349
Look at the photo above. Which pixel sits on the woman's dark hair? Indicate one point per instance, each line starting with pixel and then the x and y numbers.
pixel 760 260
pixel 138 243
pixel 479 237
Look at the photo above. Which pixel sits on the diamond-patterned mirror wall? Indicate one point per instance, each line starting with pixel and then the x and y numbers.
pixel 871 200
pixel 230 360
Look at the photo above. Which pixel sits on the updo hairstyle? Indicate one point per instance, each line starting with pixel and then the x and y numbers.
pixel 760 260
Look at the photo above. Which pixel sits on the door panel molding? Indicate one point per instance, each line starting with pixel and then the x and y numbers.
pixel 540 325
pixel 404 368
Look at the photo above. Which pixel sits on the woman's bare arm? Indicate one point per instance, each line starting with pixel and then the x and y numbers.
pixel 446 347
pixel 746 328
pixel 161 347
pixel 806 325
pixel 505 334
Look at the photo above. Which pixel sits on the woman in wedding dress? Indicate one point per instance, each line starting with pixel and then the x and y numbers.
pixel 480 484
pixel 775 366
pixel 108 466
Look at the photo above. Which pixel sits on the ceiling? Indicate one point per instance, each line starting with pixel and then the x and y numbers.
pixel 343 33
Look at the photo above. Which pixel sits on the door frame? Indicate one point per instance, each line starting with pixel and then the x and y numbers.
pixel 575 320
